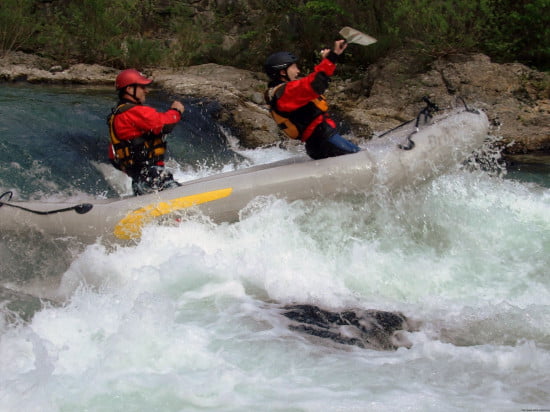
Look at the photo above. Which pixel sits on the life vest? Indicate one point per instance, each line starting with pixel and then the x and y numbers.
pixel 130 154
pixel 294 123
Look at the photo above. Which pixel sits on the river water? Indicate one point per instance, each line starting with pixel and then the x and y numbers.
pixel 190 318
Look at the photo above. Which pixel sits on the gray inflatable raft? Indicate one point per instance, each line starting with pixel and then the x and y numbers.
pixel 383 164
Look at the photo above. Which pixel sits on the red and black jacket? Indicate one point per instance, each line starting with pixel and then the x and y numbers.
pixel 299 106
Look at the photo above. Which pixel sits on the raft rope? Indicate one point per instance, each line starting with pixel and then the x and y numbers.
pixel 466 106
pixel 80 209
pixel 428 112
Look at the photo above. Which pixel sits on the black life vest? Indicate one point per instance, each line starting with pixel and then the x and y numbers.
pixel 294 123
pixel 129 155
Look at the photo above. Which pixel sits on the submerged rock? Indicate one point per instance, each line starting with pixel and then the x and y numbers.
pixel 369 329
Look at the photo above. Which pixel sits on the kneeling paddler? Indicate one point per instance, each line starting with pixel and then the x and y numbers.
pixel 138 134
pixel 298 106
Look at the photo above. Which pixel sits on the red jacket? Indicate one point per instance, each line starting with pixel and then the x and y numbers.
pixel 298 93
pixel 139 121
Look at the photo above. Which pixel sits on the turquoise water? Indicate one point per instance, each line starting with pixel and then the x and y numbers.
pixel 189 318
pixel 51 137
pixel 533 168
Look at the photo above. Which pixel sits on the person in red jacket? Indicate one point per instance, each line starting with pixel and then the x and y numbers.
pixel 138 134
pixel 298 106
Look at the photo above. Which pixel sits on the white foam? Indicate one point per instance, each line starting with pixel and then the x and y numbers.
pixel 185 319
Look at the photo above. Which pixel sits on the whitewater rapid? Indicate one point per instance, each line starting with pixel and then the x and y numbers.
pixel 189 318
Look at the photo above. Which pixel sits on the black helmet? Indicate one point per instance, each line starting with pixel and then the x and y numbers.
pixel 278 61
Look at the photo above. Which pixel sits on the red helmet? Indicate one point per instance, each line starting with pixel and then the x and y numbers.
pixel 129 77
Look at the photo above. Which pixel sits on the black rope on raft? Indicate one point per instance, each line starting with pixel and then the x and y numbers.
pixel 466 106
pixel 428 112
pixel 81 208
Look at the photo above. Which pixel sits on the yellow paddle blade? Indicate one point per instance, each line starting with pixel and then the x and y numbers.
pixel 357 37
pixel 130 226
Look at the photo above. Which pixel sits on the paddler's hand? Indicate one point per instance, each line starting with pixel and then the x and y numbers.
pixel 339 46
pixel 177 105
pixel 324 53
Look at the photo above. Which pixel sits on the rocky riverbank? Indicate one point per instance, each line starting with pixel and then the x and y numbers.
pixel 516 98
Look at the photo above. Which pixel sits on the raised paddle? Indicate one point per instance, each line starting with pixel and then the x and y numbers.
pixel 355 36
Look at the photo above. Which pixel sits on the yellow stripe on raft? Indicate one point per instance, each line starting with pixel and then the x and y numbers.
pixel 130 226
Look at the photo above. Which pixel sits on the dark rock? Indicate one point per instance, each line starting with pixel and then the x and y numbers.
pixel 370 329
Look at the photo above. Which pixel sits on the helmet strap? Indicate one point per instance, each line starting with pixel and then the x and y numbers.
pixel 132 95
pixel 135 94
pixel 285 76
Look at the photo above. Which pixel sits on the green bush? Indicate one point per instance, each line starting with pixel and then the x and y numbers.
pixel 520 31
pixel 16 25
pixel 95 30
pixel 242 33
pixel 437 27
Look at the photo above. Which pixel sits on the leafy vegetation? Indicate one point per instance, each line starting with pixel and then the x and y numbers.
pixel 520 31
pixel 139 33
pixel 16 24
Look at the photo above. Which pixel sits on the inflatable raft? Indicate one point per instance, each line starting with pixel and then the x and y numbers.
pixel 403 157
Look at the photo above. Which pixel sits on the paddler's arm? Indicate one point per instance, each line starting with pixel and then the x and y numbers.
pixel 299 92
pixel 178 107
pixel 330 57
pixel 148 119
